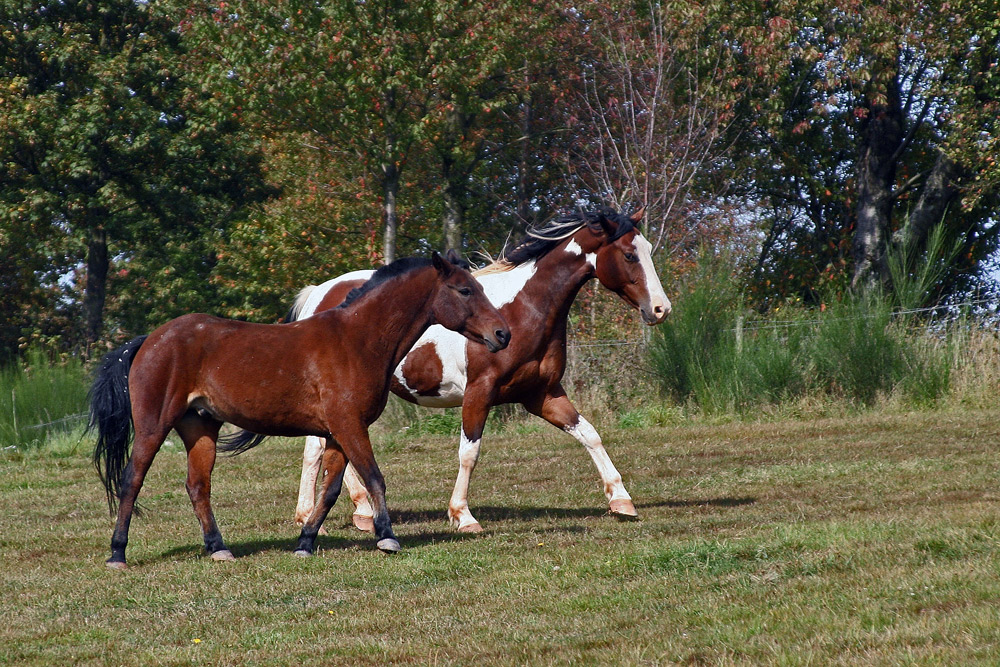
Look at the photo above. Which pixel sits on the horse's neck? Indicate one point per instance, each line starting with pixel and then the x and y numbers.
pixel 394 319
pixel 552 287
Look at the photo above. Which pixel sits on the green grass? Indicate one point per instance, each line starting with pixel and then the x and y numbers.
pixel 39 399
pixel 859 540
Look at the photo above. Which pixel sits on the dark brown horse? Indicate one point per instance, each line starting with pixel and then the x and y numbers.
pixel 327 376
pixel 533 285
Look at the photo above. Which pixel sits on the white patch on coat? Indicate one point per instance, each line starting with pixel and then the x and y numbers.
pixel 450 349
pixel 318 294
pixel 503 287
pixel 575 248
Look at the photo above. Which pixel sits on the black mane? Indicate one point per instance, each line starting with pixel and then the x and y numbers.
pixel 540 241
pixel 387 272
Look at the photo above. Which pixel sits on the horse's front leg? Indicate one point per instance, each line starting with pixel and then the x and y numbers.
pixel 199 436
pixel 358 448
pixel 334 462
pixel 475 410
pixel 555 408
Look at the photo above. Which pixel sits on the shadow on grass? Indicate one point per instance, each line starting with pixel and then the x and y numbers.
pixel 486 514
pixel 710 502
pixel 363 542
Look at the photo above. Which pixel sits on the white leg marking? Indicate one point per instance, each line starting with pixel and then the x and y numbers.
pixel 359 494
pixel 458 508
pixel 312 458
pixel 587 435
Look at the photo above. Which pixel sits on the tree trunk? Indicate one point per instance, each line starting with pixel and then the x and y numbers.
pixel 939 192
pixel 880 137
pixel 523 187
pixel 390 190
pixel 452 218
pixel 97 280
pixel 454 214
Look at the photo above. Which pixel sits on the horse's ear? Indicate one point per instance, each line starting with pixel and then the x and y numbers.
pixel 601 224
pixel 636 217
pixel 456 259
pixel 443 266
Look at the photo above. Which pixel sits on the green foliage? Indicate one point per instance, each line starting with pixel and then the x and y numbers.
pixel 716 355
pixel 109 149
pixel 39 399
pixel 857 350
pixel 818 72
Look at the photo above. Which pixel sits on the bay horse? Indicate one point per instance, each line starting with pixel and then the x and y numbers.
pixel 326 377
pixel 533 285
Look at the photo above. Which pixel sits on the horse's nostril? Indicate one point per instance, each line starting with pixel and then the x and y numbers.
pixel 502 335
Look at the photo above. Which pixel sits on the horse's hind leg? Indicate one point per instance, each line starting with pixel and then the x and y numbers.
pixel 199 435
pixel 363 512
pixel 558 410
pixel 334 463
pixel 143 451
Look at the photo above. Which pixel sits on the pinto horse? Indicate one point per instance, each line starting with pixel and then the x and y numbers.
pixel 533 285
pixel 326 377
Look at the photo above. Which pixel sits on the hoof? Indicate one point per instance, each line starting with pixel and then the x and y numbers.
pixel 364 523
pixel 223 555
pixel 302 553
pixel 623 509
pixel 473 527
pixel 115 564
pixel 388 545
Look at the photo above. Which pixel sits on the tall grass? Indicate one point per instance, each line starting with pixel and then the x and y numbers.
pixel 39 398
pixel 717 356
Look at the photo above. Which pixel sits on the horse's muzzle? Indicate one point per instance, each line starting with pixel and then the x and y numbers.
pixel 655 314
pixel 500 340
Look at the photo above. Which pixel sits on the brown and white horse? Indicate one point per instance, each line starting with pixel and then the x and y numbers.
pixel 327 377
pixel 533 286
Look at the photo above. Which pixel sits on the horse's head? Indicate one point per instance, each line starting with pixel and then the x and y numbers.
pixel 624 263
pixel 461 305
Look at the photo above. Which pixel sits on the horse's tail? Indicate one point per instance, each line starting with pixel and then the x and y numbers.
pixel 111 416
pixel 239 442
pixel 300 301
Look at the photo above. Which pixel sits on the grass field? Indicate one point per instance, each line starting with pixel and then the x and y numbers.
pixel 861 540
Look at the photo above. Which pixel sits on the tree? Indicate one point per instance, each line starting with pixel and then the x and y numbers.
pixel 108 149
pixel 402 92
pixel 873 123
pixel 654 110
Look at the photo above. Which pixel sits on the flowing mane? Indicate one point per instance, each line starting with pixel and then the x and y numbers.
pixel 385 273
pixel 539 241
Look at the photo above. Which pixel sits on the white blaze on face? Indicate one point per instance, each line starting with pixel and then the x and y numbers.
pixel 658 301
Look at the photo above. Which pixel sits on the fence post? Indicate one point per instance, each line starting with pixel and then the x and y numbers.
pixel 739 334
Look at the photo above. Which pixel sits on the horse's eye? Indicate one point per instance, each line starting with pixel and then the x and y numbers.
pixel 465 291
pixel 631 257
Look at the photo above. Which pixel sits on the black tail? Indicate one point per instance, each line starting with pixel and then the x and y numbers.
pixel 111 416
pixel 239 442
